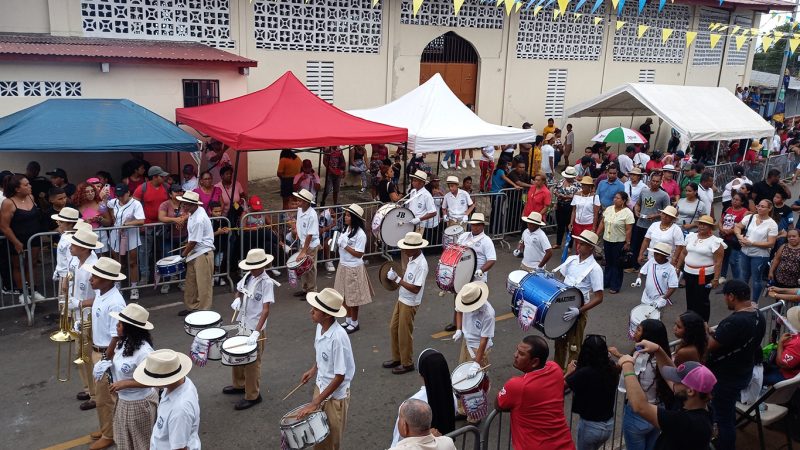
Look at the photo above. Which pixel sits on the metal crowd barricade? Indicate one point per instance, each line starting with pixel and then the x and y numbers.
pixel 12 295
pixel 723 174
pixel 157 240
pixel 786 163
pixel 466 438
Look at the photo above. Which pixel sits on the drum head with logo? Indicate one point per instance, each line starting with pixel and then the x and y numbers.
pixel 395 225
pixel 465 269
pixel 553 325
pixel 460 377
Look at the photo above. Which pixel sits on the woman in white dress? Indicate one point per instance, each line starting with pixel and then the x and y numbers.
pixel 351 278
pixel 126 211
pixel 665 231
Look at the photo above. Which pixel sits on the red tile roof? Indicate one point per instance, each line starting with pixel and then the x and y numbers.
pixel 44 47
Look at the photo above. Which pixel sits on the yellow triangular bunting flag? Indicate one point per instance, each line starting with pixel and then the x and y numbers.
pixel 754 31
pixel 713 26
pixel 736 29
pixel 457 5
pixel 536 10
pixel 415 5
pixel 714 37
pixel 642 30
pixel 793 44
pixel 556 13
pixel 665 34
pixel 740 40
pixel 690 36
pixel 498 2
pixel 722 28
pixel 375 3
pixel 615 3
pixel 778 34
pixel 517 6
pixel 766 43
pixel 620 24
pixel 578 16
pixel 597 20
pixel 509 6
pixel 562 5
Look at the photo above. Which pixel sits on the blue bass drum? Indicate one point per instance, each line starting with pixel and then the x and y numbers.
pixel 541 301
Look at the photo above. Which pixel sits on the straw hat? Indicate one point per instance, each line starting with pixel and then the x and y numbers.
pixel 635 171
pixel 662 248
pixel 569 172
pixel 534 218
pixel 305 196
pixel 329 301
pixel 134 314
pixel 162 368
pixel 190 197
pixel 755 145
pixel 412 241
pixel 355 210
pixel 478 218
pixel 670 211
pixel 793 316
pixel 706 219
pixel 85 238
pixel 66 215
pixel 105 268
pixel 669 168
pixel 587 180
pixel 420 175
pixel 452 179
pixel 588 237
pixel 81 225
pixel 549 136
pixel 256 259
pixel 472 296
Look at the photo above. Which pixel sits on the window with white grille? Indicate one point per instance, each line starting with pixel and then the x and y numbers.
pixel 205 21
pixel 739 57
pixel 342 26
pixel 704 55
pixel 650 48
pixel 565 38
pixel 319 79
pixel 647 75
pixel 473 14
pixel 40 88
pixel 556 92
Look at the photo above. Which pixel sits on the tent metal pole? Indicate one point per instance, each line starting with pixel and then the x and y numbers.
pixel 319 171
pixel 233 182
pixel 658 130
pixel 716 159
pixel 404 169
pixel 438 162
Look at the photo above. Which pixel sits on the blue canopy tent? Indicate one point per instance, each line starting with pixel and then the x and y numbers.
pixel 91 125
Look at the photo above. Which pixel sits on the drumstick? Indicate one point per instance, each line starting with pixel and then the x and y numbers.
pixel 482 369
pixel 245 343
pixel 176 249
pixel 294 390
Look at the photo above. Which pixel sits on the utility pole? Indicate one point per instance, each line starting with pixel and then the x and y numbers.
pixel 781 91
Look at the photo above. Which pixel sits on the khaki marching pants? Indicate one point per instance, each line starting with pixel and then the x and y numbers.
pixel 308 280
pixel 569 345
pixel 199 284
pixel 248 376
pixel 105 402
pixel 401 332
pixel 336 410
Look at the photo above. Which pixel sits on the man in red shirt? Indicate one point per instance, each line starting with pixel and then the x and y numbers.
pixel 151 195
pixel 536 399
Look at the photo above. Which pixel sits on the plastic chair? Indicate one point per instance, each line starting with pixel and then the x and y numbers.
pixel 774 398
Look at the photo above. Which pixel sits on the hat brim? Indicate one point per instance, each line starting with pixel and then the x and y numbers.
pixel 461 307
pixel 353 212
pixel 655 250
pixel 425 180
pixel 300 197
pixel 535 222
pixel 674 216
pixel 147 325
pixel 401 244
pixel 186 200
pixel 245 266
pixel 478 222
pixel 311 299
pixel 564 174
pixel 670 373
pixel 90 268
pixel 60 218
pixel 185 367
pixel 712 225
pixel 585 241
pixel 72 241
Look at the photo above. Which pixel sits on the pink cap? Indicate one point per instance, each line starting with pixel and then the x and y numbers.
pixel 93 180
pixel 691 374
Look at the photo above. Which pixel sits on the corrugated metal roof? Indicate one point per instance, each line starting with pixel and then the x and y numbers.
pixel 45 46
pixel 755 5
pixel 770 80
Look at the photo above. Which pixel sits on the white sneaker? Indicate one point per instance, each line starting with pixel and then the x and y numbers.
pixel 21 299
pixel 275 272
pixel 165 289
pixel 458 167
pixel 444 164
pixel 37 296
pixel 472 163
pixel 722 280
pixel 363 190
pixel 464 163
pixel 134 294
pixel 329 267
pixel 222 281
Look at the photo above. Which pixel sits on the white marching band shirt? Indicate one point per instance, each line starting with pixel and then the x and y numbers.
pixel 255 292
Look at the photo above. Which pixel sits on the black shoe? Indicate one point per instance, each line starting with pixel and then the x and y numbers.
pixel 352 329
pixel 390 364
pixel 83 396
pixel 185 312
pixel 301 294
pixel 86 406
pixel 450 327
pixel 244 403
pixel 230 390
pixel 403 369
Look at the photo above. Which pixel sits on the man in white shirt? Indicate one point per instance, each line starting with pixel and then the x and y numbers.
pixel 641 159
pixel 420 201
pixel 569 144
pixel 66 220
pixel 105 273
pixel 661 278
pixel 254 296
pixel 307 229
pixel 534 244
pixel 476 239
pixel 739 179
pixel 178 422
pixel 414 424
pixel 706 191
pixel 412 284
pixel 457 204
pixel 582 272
pixel 334 365
pixel 199 254
pixel 548 156
pixel 189 181
pixel 625 161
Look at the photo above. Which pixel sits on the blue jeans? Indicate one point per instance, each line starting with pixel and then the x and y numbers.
pixel 612 276
pixel 723 408
pixel 639 434
pixel 752 266
pixel 450 155
pixel 592 435
pixel 733 259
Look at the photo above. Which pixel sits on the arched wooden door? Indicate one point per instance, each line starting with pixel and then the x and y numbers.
pixel 456 60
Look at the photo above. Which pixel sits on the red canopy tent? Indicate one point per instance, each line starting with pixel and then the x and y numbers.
pixel 285 114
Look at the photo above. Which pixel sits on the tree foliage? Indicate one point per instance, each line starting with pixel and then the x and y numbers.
pixel 770 61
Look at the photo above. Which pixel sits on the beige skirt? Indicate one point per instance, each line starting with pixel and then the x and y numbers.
pixel 354 285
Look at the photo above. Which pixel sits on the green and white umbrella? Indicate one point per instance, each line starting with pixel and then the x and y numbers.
pixel 620 135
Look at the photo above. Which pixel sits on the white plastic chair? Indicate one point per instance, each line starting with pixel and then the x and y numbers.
pixel 774 398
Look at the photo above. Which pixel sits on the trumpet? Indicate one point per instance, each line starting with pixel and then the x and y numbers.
pixel 83 337
pixel 65 334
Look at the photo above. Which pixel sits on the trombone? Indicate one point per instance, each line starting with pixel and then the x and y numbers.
pixel 65 334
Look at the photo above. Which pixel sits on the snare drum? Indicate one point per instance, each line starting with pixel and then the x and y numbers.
pixel 301 433
pixel 456 268
pixel 236 352
pixel 541 301
pixel 638 314
pixel 215 337
pixel 200 320
pixel 391 223
pixel 171 265
pixel 514 279
pixel 451 235
pixel 471 392
pixel 298 267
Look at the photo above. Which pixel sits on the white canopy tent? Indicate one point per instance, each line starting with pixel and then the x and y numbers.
pixel 698 113
pixel 438 121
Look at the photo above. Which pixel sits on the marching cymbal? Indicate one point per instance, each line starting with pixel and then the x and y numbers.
pixel 383 274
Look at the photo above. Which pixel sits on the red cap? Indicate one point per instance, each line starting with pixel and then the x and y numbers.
pixel 255 203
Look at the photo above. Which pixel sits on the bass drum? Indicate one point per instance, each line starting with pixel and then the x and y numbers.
pixel 456 268
pixel 541 301
pixel 391 223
